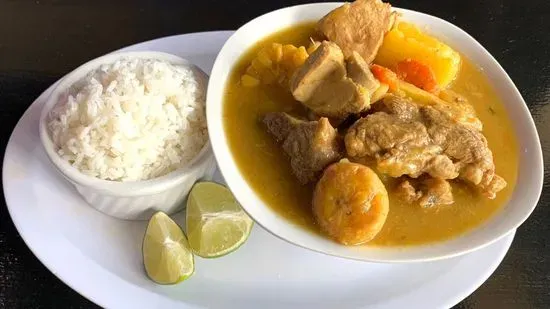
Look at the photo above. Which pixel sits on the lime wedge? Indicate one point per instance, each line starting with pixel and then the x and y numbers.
pixel 166 253
pixel 216 223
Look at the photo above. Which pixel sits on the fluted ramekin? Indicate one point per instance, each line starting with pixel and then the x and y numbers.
pixel 134 200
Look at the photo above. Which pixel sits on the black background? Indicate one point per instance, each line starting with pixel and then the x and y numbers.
pixel 42 40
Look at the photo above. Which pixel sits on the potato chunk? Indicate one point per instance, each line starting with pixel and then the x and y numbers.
pixel 350 203
pixel 406 41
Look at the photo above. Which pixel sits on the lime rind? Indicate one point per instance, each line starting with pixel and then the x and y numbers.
pixel 216 223
pixel 211 241
pixel 167 256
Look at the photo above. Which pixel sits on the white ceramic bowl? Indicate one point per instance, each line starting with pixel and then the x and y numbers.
pixel 135 200
pixel 515 212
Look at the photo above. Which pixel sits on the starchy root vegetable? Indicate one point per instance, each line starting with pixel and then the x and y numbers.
pixel 418 74
pixel 350 203
pixel 406 41
pixel 274 63
pixel 379 93
pixel 418 95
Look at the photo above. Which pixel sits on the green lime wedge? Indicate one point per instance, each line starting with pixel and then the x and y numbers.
pixel 216 223
pixel 166 253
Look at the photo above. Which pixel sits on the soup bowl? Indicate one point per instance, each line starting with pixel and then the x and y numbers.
pixel 530 175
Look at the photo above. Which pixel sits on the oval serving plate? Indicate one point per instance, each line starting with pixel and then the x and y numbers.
pixel 100 258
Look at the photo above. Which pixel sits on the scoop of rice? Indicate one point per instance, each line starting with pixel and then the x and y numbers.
pixel 135 119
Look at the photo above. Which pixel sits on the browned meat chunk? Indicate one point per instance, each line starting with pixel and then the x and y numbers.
pixel 401 108
pixel 359 26
pixel 468 148
pixel 311 145
pixel 321 84
pixel 431 192
pixel 461 112
pixel 417 161
pixel 358 70
pixel 401 147
pixel 490 184
pixel 407 192
pixel 325 64
pixel 406 139
pixel 436 192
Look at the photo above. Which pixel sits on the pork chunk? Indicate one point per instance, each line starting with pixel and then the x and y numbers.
pixel 321 84
pixel 310 145
pixel 427 192
pixel 406 139
pixel 407 192
pixel 468 148
pixel 358 70
pixel 325 64
pixel 401 147
pixel 359 26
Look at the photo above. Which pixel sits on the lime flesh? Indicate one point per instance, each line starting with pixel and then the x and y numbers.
pixel 166 253
pixel 216 223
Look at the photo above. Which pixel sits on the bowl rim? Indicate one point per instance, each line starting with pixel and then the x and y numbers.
pixel 109 187
pixel 286 230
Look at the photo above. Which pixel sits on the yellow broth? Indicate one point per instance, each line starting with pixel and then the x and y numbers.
pixel 267 169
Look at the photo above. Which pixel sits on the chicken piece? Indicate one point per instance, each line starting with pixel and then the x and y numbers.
pixel 406 139
pixel 321 84
pixel 311 145
pixel 432 192
pixel 358 70
pixel 359 26
pixel 350 203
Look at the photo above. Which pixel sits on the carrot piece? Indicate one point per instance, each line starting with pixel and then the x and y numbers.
pixel 418 74
pixel 385 76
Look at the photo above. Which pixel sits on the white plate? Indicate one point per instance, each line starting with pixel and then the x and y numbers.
pixel 100 257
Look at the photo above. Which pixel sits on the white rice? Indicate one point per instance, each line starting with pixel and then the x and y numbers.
pixel 135 119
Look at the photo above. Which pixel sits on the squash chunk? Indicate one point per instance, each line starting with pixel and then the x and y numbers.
pixel 274 63
pixel 405 41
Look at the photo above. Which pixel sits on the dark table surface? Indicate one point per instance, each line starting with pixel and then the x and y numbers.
pixel 42 40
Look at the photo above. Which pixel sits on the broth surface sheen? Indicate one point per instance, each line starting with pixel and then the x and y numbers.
pixel 267 169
